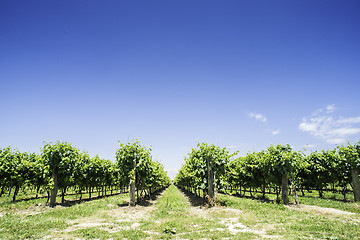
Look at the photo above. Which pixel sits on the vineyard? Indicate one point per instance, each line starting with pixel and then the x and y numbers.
pixel 216 194
pixel 208 169
pixel 62 167
pixel 274 171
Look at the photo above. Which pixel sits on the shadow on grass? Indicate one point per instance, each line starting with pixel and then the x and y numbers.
pixel 253 198
pixel 125 204
pixel 29 199
pixel 67 194
pixel 259 199
pixel 70 203
pixel 195 201
pixel 328 198
pixel 147 201
pixel 267 200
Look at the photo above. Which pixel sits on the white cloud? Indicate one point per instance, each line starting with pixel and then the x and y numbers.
pixel 342 132
pixel 334 130
pixel 336 140
pixel 275 132
pixel 330 108
pixel 308 127
pixel 350 120
pixel 257 117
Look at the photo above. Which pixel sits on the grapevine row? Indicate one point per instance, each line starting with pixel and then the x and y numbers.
pixel 61 166
pixel 278 168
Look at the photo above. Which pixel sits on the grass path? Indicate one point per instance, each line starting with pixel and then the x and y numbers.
pixel 182 216
pixel 175 215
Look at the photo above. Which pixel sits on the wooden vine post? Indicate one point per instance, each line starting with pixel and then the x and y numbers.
pixel 355 174
pixel 285 188
pixel 356 183
pixel 54 190
pixel 285 183
pixel 211 187
pixel 294 191
pixel 351 155
pixel 132 201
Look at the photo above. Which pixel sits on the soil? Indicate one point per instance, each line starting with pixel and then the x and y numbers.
pixel 231 221
pixel 33 210
pixel 126 218
pixel 320 210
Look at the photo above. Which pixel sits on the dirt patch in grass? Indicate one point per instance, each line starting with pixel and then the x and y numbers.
pixel 228 218
pixel 234 227
pixel 174 218
pixel 117 218
pixel 121 218
pixel 320 210
pixel 32 210
pixel 126 217
pixel 214 212
pixel 225 211
pixel 128 214
pixel 331 213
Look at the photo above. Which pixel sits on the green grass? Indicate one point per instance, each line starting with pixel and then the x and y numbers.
pixel 22 221
pixel 171 203
pixel 331 203
pixel 7 205
pixel 172 217
pixel 293 224
pixel 13 226
pixel 27 198
pixel 329 200
pixel 95 233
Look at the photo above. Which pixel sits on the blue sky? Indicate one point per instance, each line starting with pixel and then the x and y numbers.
pixel 241 74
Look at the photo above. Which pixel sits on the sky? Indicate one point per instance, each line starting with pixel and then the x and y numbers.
pixel 241 74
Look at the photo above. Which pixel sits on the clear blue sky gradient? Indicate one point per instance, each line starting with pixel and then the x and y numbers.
pixel 241 74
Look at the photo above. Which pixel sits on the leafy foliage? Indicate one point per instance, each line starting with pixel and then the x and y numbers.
pixel 150 175
pixel 76 169
pixel 193 172
pixel 339 167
